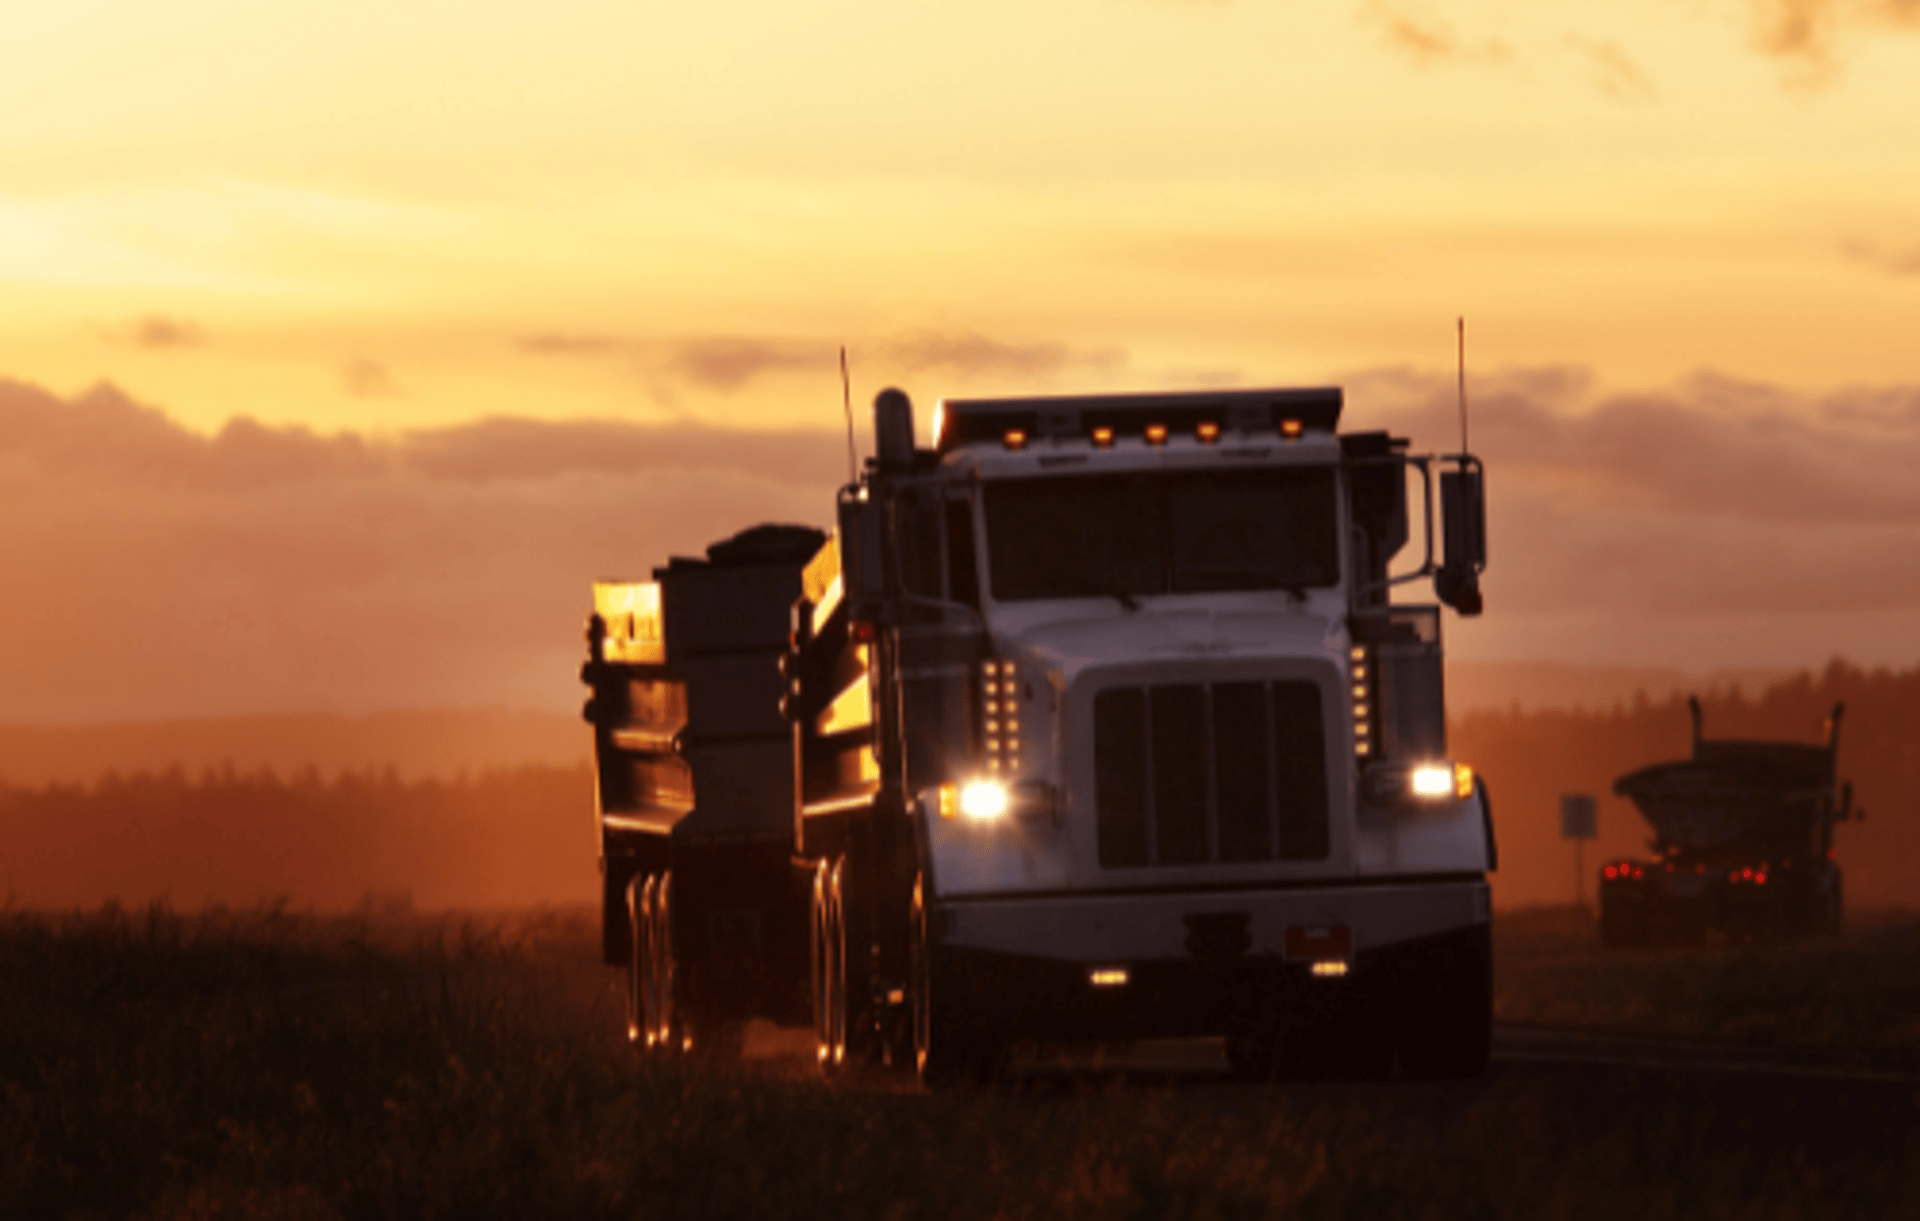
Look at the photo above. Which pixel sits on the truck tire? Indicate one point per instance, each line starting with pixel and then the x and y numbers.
pixel 637 963
pixel 851 1043
pixel 947 1054
pixel 1448 1021
pixel 822 940
pixel 669 1029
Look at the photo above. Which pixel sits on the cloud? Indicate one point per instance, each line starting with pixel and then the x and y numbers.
pixel 726 363
pixel 504 450
pixel 1804 35
pixel 554 343
pixel 1428 37
pixel 1894 262
pixel 1613 71
pixel 158 331
pixel 971 355
pixel 1715 497
pixel 155 572
pixel 367 379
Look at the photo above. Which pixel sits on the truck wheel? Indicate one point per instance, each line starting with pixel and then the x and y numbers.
pixel 822 969
pixel 1623 925
pixel 946 1055
pixel 637 959
pixel 669 1030
pixel 850 984
pixel 1253 1055
pixel 649 939
pixel 1448 1020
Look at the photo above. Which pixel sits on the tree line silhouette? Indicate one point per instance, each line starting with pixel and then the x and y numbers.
pixel 508 838
pixel 525 836
pixel 1531 758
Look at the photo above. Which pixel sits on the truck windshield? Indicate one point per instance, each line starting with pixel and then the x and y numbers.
pixel 1162 532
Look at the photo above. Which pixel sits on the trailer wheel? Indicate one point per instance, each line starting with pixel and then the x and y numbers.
pixel 946 1054
pixel 670 1030
pixel 638 1023
pixel 822 968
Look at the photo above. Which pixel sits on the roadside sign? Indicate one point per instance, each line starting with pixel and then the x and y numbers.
pixel 1577 816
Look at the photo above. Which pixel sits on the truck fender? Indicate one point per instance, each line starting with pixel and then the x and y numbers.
pixel 1486 819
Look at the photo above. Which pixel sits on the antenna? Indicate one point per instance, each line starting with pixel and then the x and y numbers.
pixel 846 401
pixel 1463 382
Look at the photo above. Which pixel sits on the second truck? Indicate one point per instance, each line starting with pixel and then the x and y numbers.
pixel 1094 719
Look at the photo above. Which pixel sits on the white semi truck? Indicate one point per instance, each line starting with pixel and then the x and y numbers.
pixel 1100 723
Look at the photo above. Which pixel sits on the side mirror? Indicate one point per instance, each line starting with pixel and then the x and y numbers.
pixel 862 557
pixel 1463 527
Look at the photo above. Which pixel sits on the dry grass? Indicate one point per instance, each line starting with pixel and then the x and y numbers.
pixel 263 1064
pixel 1861 989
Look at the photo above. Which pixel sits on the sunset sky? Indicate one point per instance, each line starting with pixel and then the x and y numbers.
pixel 1685 235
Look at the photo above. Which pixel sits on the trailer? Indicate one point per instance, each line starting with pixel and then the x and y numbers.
pixel 1742 843
pixel 1102 723
pixel 702 904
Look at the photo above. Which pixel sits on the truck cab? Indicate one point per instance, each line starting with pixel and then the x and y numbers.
pixel 1107 726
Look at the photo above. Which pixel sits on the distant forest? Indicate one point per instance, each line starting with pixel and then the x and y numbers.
pixel 525 836
pixel 513 838
pixel 1531 758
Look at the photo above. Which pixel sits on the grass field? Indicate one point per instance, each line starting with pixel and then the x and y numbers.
pixel 266 1064
pixel 1861 990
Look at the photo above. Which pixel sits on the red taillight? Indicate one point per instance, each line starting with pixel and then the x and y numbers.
pixel 1612 872
pixel 1639 872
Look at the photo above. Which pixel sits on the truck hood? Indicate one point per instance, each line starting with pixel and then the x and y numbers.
pixel 1069 647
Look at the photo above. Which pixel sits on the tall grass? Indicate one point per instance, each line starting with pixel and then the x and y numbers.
pixel 1861 990
pixel 275 1065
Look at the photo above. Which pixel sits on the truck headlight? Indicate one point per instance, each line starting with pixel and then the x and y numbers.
pixel 1393 784
pixel 984 801
pixel 1432 780
pixel 992 801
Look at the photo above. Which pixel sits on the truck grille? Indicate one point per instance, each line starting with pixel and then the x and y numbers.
pixel 1201 774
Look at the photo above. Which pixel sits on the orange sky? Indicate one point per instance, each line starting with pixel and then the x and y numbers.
pixel 389 222
pixel 376 217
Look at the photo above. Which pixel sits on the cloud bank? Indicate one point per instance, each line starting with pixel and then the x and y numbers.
pixel 153 572
pixel 1714 502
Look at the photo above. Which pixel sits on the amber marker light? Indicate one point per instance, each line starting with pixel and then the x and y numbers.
pixel 1156 434
pixel 1108 977
pixel 1103 437
pixel 1462 781
pixel 1329 970
pixel 1207 431
pixel 1016 438
pixel 1290 429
